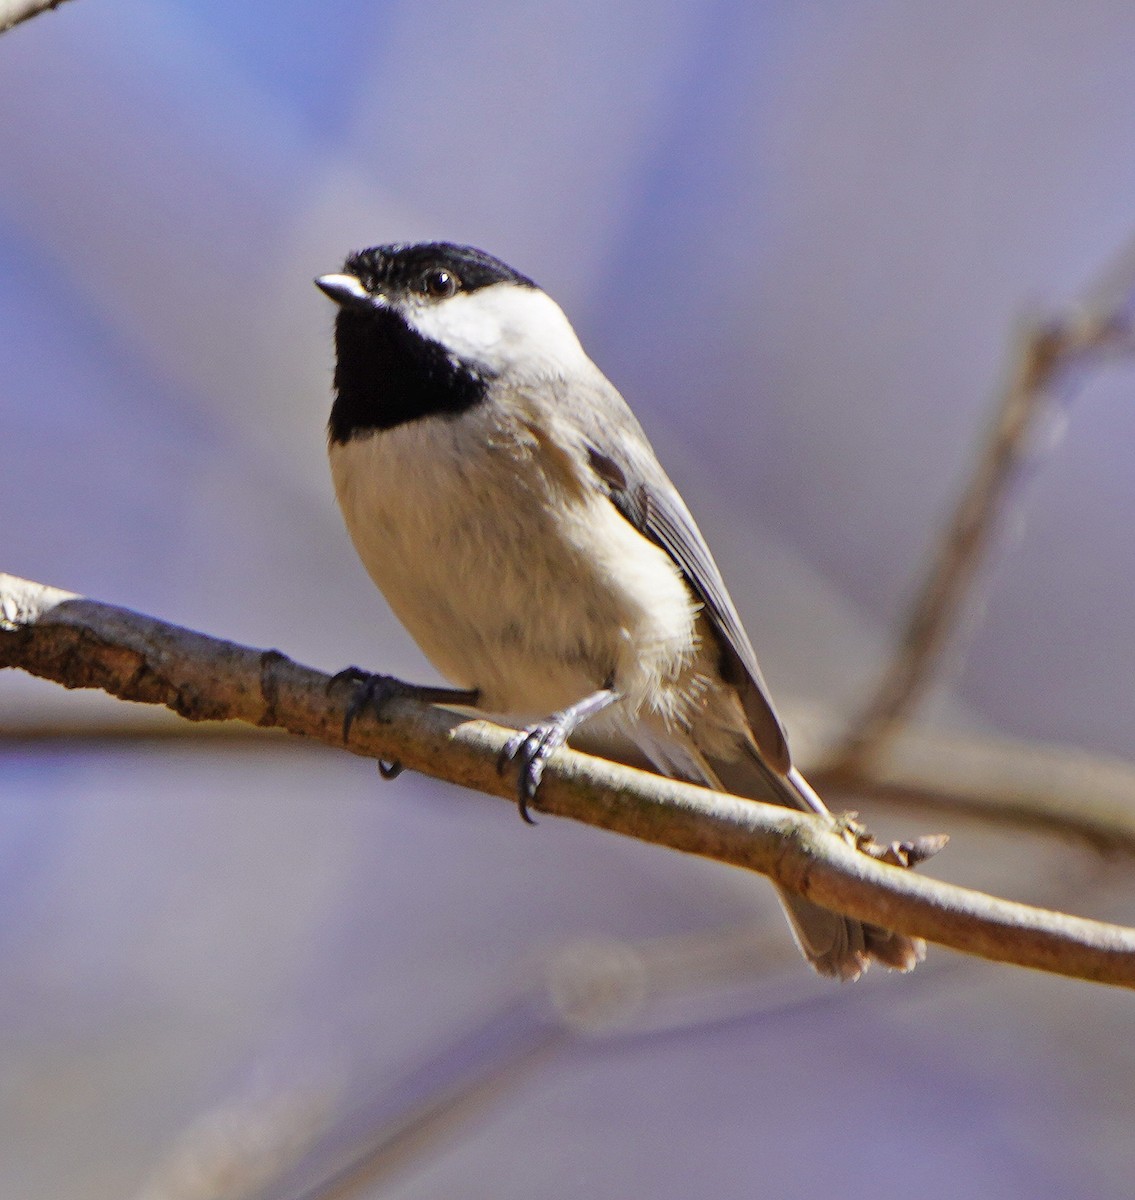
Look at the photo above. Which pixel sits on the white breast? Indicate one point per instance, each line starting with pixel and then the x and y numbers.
pixel 453 521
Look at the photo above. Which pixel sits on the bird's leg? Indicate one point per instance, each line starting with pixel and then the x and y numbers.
pixel 376 691
pixel 534 745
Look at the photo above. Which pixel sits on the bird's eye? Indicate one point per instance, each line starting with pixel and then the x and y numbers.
pixel 439 283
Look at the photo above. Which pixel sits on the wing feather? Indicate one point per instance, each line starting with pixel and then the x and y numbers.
pixel 649 501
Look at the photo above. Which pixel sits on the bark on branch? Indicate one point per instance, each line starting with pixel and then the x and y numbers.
pixel 82 643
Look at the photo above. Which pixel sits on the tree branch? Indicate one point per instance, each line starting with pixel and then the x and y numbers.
pixel 1060 790
pixel 14 12
pixel 1096 330
pixel 82 643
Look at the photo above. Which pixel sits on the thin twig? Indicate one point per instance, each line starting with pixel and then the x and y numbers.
pixel 81 643
pixel 15 12
pixel 1059 790
pixel 1043 363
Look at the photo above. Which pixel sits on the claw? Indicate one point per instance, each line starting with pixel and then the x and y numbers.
pixel 375 691
pixel 532 747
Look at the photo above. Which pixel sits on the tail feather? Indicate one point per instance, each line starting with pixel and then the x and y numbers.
pixel 842 946
pixel 835 945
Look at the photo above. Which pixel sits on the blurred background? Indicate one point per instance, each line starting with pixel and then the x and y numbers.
pixel 801 238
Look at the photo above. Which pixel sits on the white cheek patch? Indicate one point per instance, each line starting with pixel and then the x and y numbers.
pixel 501 327
pixel 468 329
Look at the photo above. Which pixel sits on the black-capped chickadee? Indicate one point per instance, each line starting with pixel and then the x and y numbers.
pixel 505 500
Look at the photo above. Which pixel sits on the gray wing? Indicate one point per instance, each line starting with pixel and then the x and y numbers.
pixel 638 487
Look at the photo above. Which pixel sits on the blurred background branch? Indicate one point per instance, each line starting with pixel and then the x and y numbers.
pixel 1051 358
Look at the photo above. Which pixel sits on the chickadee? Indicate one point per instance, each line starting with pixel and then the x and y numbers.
pixel 505 500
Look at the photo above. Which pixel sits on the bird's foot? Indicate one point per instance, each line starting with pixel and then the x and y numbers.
pixel 532 747
pixel 376 691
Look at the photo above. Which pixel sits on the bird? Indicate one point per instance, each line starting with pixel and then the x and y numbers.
pixel 508 505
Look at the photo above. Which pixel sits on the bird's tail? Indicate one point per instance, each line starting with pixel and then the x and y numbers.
pixel 835 945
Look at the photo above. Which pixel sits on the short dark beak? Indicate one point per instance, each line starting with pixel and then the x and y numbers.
pixel 344 290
